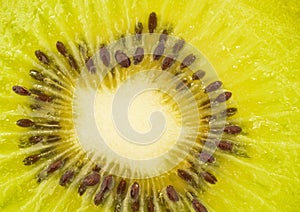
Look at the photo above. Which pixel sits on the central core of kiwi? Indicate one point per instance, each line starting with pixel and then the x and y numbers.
pixel 149 127
pixel 140 119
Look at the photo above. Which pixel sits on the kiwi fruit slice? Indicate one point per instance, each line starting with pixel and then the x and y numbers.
pixel 149 105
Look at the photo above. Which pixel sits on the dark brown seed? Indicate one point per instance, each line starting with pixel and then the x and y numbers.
pixel 41 56
pixel 98 198
pixel 152 22
pixel 25 123
pixel 21 90
pixel 232 129
pixel 31 159
pixel 106 186
pixel 35 107
pixel 35 139
pixel 61 48
pixel 229 111
pixel 208 177
pixel 96 168
pixel 206 157
pixel 135 189
pixel 167 62
pixel 122 59
pixel 213 86
pixel 139 30
pixel 198 75
pixel 150 204
pixel 55 166
pixel 187 61
pixel 178 46
pixel 53 138
pixel 91 179
pixel 82 188
pixel 138 55
pixel 90 65
pixel 225 145
pixel 105 56
pixel 66 177
pixel 223 97
pixel 184 175
pixel 198 206
pixel 43 97
pixel 163 36
pixel 36 75
pixel 135 206
pixel 159 50
pixel 121 187
pixel 72 62
pixel 172 194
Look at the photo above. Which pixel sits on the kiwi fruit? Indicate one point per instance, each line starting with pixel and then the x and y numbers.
pixel 149 105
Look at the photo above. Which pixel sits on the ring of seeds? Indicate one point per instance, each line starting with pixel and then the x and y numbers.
pixel 56 140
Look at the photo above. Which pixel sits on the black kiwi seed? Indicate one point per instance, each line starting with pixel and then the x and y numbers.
pixel 159 50
pixel 198 75
pixel 55 166
pixel 35 139
pixel 31 159
pixel 105 56
pixel 106 186
pixel 36 75
pixel 66 177
pixel 167 62
pixel 232 129
pixel 152 22
pixel 229 111
pixel 21 90
pixel 187 61
pixel 90 65
pixel 138 30
pixel 41 56
pixel 185 175
pixel 96 168
pixel 213 86
pixel 163 36
pixel 135 189
pixel 198 206
pixel 178 46
pixel 223 97
pixel 73 62
pixel 122 59
pixel 61 48
pixel 206 157
pixel 208 177
pixel 43 97
pixel 91 179
pixel 138 55
pixel 25 123
pixel 172 194
pixel 225 145
pixel 121 187
pixel 150 204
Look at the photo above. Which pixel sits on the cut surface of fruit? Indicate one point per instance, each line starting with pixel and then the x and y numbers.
pixel 149 105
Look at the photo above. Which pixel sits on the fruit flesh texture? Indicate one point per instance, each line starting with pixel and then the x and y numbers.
pixel 254 48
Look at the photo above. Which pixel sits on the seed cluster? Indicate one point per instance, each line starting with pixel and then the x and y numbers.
pixel 195 175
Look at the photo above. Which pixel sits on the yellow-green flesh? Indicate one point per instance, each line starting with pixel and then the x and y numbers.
pixel 254 47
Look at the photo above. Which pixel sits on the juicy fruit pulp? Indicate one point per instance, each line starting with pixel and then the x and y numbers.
pixel 245 41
